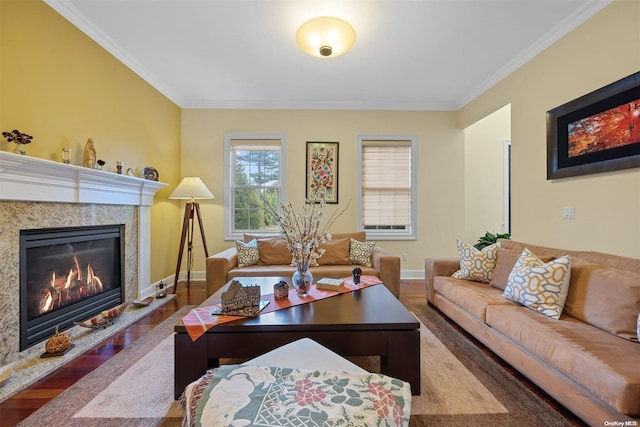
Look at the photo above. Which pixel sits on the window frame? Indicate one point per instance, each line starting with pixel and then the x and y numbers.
pixel 411 232
pixel 229 216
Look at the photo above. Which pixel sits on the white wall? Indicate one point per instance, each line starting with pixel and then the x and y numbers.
pixel 484 174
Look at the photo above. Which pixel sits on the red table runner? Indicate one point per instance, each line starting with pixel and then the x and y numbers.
pixel 200 320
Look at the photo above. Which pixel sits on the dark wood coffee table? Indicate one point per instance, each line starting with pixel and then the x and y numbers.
pixel 367 322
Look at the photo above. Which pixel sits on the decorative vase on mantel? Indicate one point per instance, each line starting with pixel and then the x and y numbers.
pixel 302 279
pixel 20 149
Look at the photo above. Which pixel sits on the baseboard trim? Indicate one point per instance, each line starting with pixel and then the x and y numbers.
pixel 412 274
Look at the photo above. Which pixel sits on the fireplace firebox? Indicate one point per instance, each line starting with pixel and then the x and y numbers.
pixel 66 275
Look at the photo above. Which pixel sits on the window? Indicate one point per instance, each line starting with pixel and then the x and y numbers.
pixel 254 169
pixel 386 191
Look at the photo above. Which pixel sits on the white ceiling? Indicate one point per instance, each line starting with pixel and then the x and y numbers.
pixel 409 54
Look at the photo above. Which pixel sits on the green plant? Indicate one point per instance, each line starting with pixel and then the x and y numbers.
pixel 489 239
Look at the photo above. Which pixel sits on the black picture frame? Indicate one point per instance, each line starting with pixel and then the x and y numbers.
pixel 588 116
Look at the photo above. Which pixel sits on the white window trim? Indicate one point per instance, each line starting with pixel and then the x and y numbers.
pixel 411 234
pixel 228 213
pixel 506 228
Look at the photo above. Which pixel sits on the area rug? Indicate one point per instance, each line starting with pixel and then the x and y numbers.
pixel 461 386
pixel 31 367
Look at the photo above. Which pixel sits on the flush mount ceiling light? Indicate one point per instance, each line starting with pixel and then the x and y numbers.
pixel 325 37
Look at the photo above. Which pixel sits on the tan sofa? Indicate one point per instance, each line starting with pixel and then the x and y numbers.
pixel 587 360
pixel 275 260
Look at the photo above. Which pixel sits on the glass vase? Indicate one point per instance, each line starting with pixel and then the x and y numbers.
pixel 302 279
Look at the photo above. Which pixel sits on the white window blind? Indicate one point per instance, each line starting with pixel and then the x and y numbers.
pixel 387 193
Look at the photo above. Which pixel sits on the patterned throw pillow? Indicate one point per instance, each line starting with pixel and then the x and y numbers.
pixel 360 252
pixel 542 287
pixel 247 253
pixel 477 265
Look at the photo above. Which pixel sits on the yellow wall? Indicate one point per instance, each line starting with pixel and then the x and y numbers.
pixel 604 49
pixel 484 174
pixel 61 87
pixel 440 166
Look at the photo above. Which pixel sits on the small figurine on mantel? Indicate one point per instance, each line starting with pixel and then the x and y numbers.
pixel 89 155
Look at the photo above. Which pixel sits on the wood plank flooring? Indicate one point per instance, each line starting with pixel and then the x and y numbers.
pixel 21 405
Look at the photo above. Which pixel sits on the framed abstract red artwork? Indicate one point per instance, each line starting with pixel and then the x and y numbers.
pixel 598 132
pixel 322 171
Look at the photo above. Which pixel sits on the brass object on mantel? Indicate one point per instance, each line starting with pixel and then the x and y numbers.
pixel 89 155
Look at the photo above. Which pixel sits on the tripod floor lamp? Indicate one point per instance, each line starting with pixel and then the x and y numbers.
pixel 191 188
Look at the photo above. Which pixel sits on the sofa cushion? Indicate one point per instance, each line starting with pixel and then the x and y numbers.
pixel 591 298
pixel 474 297
pixel 506 260
pixel 615 261
pixel 247 237
pixel 540 286
pixel 285 270
pixel 336 252
pixel 358 235
pixel 477 265
pixel 248 253
pixel 360 252
pixel 599 361
pixel 274 251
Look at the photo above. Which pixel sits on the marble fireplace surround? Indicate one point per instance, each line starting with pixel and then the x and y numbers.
pixel 38 193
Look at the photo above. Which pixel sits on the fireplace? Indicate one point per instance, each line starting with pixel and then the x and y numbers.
pixel 66 275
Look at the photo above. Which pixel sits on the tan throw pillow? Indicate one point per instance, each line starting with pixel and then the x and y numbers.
pixel 247 253
pixel 605 297
pixel 506 260
pixel 540 286
pixel 274 251
pixel 247 237
pixel 360 252
pixel 474 264
pixel 336 252
pixel 358 235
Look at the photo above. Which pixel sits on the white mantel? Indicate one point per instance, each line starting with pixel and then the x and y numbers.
pixel 24 178
pixel 38 180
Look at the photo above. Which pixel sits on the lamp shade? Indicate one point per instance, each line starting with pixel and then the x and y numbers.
pixel 325 37
pixel 191 188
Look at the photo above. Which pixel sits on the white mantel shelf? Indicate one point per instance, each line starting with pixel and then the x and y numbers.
pixel 32 179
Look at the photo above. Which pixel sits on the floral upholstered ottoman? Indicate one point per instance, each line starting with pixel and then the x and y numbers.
pixel 266 395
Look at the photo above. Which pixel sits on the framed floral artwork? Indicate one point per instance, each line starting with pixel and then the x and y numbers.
pixel 322 171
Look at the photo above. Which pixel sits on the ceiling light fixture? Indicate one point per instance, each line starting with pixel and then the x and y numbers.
pixel 325 37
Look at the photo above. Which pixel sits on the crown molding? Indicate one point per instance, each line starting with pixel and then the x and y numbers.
pixel 77 18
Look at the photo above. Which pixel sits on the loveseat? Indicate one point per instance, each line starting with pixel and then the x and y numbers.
pixel 274 259
pixel 588 359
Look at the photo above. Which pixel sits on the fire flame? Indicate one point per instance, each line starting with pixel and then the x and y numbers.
pixel 73 287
